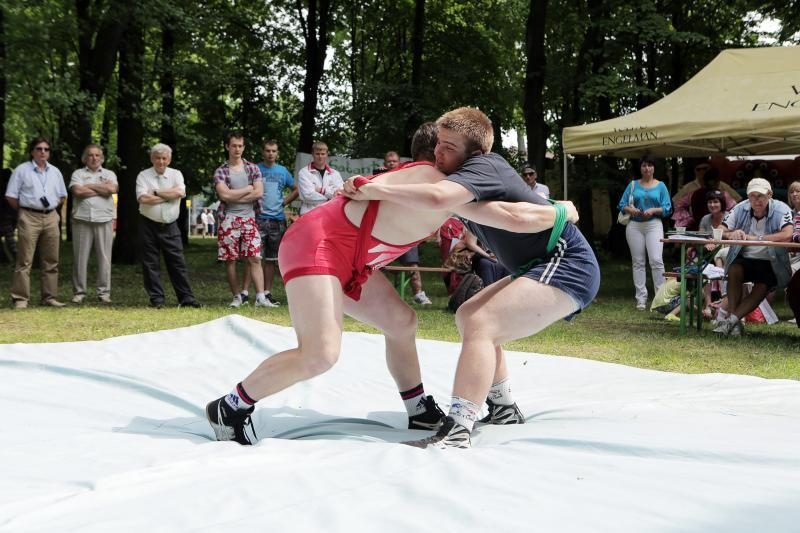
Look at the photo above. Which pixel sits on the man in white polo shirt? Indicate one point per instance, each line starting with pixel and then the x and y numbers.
pixel 159 190
pixel 92 223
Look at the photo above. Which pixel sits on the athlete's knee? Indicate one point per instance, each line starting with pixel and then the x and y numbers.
pixel 470 319
pixel 320 360
pixel 404 322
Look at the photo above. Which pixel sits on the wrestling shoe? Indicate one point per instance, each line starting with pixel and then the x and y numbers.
pixel 431 419
pixel 450 435
pixel 502 415
pixel 231 424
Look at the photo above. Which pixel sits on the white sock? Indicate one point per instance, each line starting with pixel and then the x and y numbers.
pixel 500 393
pixel 260 297
pixel 733 319
pixel 236 400
pixel 464 412
pixel 414 400
pixel 244 293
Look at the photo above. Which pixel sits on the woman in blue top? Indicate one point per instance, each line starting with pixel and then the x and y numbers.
pixel 651 203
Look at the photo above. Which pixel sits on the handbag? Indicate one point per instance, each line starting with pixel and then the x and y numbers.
pixel 623 217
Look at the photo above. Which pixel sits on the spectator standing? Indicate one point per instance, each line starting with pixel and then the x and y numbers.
pixel 530 176
pixel 317 182
pixel 205 223
pixel 92 223
pixel 651 203
pixel 159 190
pixel 37 190
pixel 409 259
pixel 699 172
pixel 239 187
pixel 8 224
pixel 759 218
pixel 277 180
pixel 689 210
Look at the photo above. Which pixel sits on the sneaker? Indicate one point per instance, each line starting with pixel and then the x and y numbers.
pixel 231 424
pixel 103 299
pixel 273 301
pixel 78 299
pixel 502 415
pixel 245 296
pixel 422 299
pixel 236 302
pixel 52 302
pixel 450 435
pixel 431 419
pixel 20 304
pixel 737 329
pixel 641 307
pixel 193 304
pixel 265 302
pixel 724 328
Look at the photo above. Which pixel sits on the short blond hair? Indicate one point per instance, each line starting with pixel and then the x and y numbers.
pixel 472 124
pixel 317 145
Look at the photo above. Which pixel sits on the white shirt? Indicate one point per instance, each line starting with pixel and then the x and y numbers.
pixel 542 190
pixel 148 181
pixel 309 180
pixel 94 208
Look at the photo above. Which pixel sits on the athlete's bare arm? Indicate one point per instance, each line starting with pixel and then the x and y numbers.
pixel 519 217
pixel 439 196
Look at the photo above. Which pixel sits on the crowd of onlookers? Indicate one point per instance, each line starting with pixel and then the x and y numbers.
pixel 249 223
pixel 749 275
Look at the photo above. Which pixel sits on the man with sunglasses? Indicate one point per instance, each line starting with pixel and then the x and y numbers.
pixel 37 190
pixel 529 175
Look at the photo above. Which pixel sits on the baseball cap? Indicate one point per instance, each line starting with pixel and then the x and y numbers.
pixel 759 185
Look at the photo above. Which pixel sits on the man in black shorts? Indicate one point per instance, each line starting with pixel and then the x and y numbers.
pixel 760 218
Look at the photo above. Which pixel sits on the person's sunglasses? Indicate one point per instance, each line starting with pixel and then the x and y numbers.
pixel 528 173
pixel 42 149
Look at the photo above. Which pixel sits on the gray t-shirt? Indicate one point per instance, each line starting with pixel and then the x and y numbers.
pixel 490 177
pixel 244 210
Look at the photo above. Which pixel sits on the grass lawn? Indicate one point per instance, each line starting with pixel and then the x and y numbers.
pixel 610 330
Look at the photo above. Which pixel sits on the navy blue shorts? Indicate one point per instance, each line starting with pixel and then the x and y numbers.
pixel 572 268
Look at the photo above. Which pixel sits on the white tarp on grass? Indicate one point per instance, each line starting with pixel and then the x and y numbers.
pixel 110 436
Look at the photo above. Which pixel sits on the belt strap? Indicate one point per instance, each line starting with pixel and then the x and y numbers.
pixel 558 228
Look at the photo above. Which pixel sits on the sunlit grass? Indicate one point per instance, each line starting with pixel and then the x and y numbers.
pixel 610 330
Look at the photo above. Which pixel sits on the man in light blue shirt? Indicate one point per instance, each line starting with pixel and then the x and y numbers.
pixel 37 190
pixel 272 220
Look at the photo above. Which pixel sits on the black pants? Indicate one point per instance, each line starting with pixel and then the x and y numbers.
pixel 163 239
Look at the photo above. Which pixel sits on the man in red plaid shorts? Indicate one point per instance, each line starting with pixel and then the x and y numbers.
pixel 239 187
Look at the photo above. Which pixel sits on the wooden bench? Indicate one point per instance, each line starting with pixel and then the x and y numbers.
pixel 402 280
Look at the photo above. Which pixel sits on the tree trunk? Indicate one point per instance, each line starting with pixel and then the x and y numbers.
pixel 130 142
pixel 315 32
pixel 533 103
pixel 2 86
pixel 417 46
pixel 98 41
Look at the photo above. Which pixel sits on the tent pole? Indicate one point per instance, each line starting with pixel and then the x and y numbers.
pixel 564 163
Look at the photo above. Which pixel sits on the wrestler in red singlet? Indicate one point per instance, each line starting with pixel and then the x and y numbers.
pixel 325 242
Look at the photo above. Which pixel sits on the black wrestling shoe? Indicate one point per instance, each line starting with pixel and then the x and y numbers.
pixel 450 435
pixel 231 424
pixel 502 415
pixel 429 420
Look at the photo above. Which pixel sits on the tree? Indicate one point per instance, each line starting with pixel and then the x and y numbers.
pixel 315 25
pixel 533 104
pixel 130 139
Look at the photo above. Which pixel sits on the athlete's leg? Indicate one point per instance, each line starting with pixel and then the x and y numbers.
pixel 315 306
pixel 380 306
pixel 500 313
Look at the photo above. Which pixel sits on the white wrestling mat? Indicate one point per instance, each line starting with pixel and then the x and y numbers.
pixel 110 436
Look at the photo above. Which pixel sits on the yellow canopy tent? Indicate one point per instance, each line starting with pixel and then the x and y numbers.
pixel 745 102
